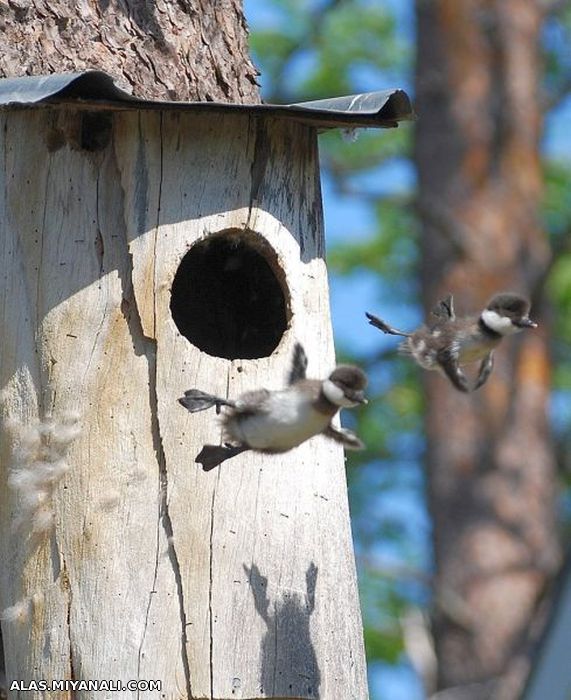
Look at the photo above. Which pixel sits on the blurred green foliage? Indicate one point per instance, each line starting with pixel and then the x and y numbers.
pixel 557 218
pixel 307 50
pixel 331 40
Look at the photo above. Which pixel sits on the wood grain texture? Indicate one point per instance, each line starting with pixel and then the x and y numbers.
pixel 238 583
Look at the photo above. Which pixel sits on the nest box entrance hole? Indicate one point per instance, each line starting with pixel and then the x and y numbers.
pixel 229 296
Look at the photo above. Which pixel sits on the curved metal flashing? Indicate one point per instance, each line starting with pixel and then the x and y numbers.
pixel 97 90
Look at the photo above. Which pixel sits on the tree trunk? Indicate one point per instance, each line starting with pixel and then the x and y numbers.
pixel 158 49
pixel 489 454
pixel 119 557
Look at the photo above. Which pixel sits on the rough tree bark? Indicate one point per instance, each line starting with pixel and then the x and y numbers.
pixel 186 50
pixel 490 459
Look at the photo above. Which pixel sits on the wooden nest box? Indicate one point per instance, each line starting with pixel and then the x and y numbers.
pixel 147 248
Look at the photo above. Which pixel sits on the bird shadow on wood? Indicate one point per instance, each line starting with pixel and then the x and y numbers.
pixel 288 663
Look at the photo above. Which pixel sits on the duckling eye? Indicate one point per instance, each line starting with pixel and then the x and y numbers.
pixel 347 385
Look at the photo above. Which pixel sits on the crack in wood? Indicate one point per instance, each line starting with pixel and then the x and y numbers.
pixel 153 590
pixel 66 585
pixel 147 347
pixel 210 581
pixel 163 512
pixel 99 244
pixel 39 281
pixel 259 164
pixel 165 518
pixel 275 664
pixel 158 219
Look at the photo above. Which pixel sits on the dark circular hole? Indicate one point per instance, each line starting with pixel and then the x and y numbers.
pixel 226 298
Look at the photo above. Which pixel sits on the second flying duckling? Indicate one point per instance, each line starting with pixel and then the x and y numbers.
pixel 277 421
pixel 447 342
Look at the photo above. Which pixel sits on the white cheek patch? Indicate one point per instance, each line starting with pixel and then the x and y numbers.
pixel 499 324
pixel 335 394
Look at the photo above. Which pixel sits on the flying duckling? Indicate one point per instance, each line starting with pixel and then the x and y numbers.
pixel 277 421
pixel 446 342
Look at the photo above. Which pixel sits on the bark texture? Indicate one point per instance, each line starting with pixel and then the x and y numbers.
pixel 160 49
pixel 489 454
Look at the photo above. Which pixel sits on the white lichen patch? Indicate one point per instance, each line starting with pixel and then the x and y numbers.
pixel 21 612
pixel 18 613
pixel 38 464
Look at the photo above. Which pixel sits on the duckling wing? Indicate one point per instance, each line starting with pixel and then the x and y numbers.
pixel 444 309
pixel 298 368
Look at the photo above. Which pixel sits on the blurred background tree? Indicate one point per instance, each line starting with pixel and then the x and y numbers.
pixel 476 198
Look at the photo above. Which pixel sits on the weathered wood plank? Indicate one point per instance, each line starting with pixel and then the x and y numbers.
pixel 89 360
pixel 238 583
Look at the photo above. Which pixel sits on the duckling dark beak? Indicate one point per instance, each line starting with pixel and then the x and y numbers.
pixel 525 323
pixel 359 397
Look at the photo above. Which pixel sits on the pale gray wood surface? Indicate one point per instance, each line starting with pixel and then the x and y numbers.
pixel 238 583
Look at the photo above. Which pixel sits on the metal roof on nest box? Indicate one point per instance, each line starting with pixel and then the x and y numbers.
pixel 97 90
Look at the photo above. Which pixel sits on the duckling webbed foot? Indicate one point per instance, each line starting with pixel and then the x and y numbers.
pixel 384 327
pixel 449 364
pixel 195 400
pixel 346 437
pixel 486 367
pixel 211 456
